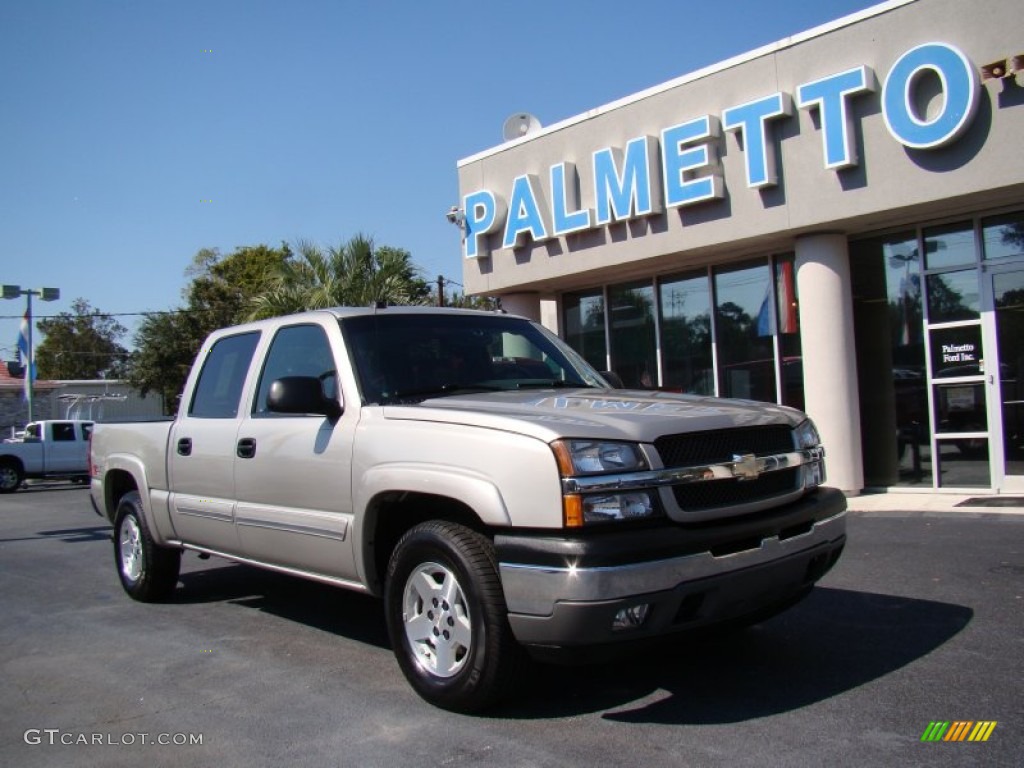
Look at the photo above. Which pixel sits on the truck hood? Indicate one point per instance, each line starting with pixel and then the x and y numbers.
pixel 609 414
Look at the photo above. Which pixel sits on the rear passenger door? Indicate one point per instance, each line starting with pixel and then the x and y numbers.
pixel 65 451
pixel 201 454
pixel 293 472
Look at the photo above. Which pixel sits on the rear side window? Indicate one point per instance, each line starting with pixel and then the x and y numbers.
pixel 220 381
pixel 63 432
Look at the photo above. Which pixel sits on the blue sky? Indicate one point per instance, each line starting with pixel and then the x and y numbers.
pixel 134 133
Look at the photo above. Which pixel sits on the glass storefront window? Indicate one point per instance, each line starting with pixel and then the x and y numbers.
pixel 963 463
pixel 686 334
pixel 960 408
pixel 744 327
pixel 949 246
pixel 1003 236
pixel 788 321
pixel 892 381
pixel 1008 290
pixel 954 296
pixel 584 326
pixel 634 353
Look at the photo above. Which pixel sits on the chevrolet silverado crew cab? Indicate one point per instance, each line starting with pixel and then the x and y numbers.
pixel 49 449
pixel 474 472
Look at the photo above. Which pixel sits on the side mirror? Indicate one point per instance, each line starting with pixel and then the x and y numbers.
pixel 612 378
pixel 301 395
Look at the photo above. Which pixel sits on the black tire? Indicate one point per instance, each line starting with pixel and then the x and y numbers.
pixel 479 662
pixel 11 476
pixel 148 572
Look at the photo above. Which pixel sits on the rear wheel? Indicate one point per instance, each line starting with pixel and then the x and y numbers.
pixel 148 572
pixel 447 618
pixel 11 476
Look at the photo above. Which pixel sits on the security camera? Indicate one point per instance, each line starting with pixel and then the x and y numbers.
pixel 454 215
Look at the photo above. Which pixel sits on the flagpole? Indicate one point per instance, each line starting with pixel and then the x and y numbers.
pixel 46 294
pixel 31 355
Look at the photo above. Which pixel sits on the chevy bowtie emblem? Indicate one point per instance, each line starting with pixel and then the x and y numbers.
pixel 746 467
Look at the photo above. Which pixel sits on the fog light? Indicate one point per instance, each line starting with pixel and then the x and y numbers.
pixel 631 618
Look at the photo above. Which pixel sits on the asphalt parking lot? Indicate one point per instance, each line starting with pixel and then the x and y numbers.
pixel 922 620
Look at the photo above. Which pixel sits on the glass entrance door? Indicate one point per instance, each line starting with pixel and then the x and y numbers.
pixel 1005 376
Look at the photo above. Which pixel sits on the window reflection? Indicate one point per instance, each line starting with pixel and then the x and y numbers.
pixel 889 328
pixel 686 334
pixel 786 311
pixel 949 246
pixel 954 296
pixel 584 327
pixel 634 357
pixel 744 325
pixel 1003 236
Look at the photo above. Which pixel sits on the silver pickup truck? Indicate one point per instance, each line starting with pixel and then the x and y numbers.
pixel 473 471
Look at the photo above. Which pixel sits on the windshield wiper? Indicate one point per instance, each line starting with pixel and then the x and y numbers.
pixel 551 384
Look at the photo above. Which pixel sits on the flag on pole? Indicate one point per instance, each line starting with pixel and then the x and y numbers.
pixel 785 289
pixel 26 354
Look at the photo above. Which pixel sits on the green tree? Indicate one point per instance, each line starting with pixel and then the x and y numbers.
pixel 165 346
pixel 462 301
pixel 356 273
pixel 224 288
pixel 220 293
pixel 81 344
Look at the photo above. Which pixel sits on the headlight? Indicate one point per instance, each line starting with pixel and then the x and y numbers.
pixel 807 435
pixel 812 474
pixel 578 458
pixel 591 457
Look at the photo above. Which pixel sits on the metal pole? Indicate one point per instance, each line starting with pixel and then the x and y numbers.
pixel 31 358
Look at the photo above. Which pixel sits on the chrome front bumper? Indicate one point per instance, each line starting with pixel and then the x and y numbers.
pixel 565 604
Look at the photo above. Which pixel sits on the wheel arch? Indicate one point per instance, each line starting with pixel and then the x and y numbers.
pixel 391 513
pixel 395 497
pixel 123 474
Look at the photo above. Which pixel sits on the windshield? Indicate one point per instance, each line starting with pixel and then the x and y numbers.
pixel 406 358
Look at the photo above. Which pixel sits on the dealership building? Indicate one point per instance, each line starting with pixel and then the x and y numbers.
pixel 834 222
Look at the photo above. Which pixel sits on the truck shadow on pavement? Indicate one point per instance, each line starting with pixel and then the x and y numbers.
pixel 331 609
pixel 834 641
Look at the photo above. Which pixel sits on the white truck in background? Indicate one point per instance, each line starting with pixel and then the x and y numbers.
pixel 472 470
pixel 49 449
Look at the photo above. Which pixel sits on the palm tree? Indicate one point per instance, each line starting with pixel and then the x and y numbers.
pixel 353 274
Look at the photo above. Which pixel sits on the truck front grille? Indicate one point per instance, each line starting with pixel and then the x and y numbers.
pixel 724 493
pixel 704 448
pixel 688 450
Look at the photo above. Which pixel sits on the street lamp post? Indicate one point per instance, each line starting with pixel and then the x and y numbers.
pixel 46 294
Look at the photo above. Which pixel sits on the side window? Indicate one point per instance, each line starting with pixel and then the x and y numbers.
pixel 297 350
pixel 63 432
pixel 32 432
pixel 86 430
pixel 220 381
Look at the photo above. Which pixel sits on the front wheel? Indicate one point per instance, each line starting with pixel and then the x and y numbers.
pixel 148 572
pixel 447 619
pixel 11 476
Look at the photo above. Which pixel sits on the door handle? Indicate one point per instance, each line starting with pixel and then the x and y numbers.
pixel 246 448
pixel 185 446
